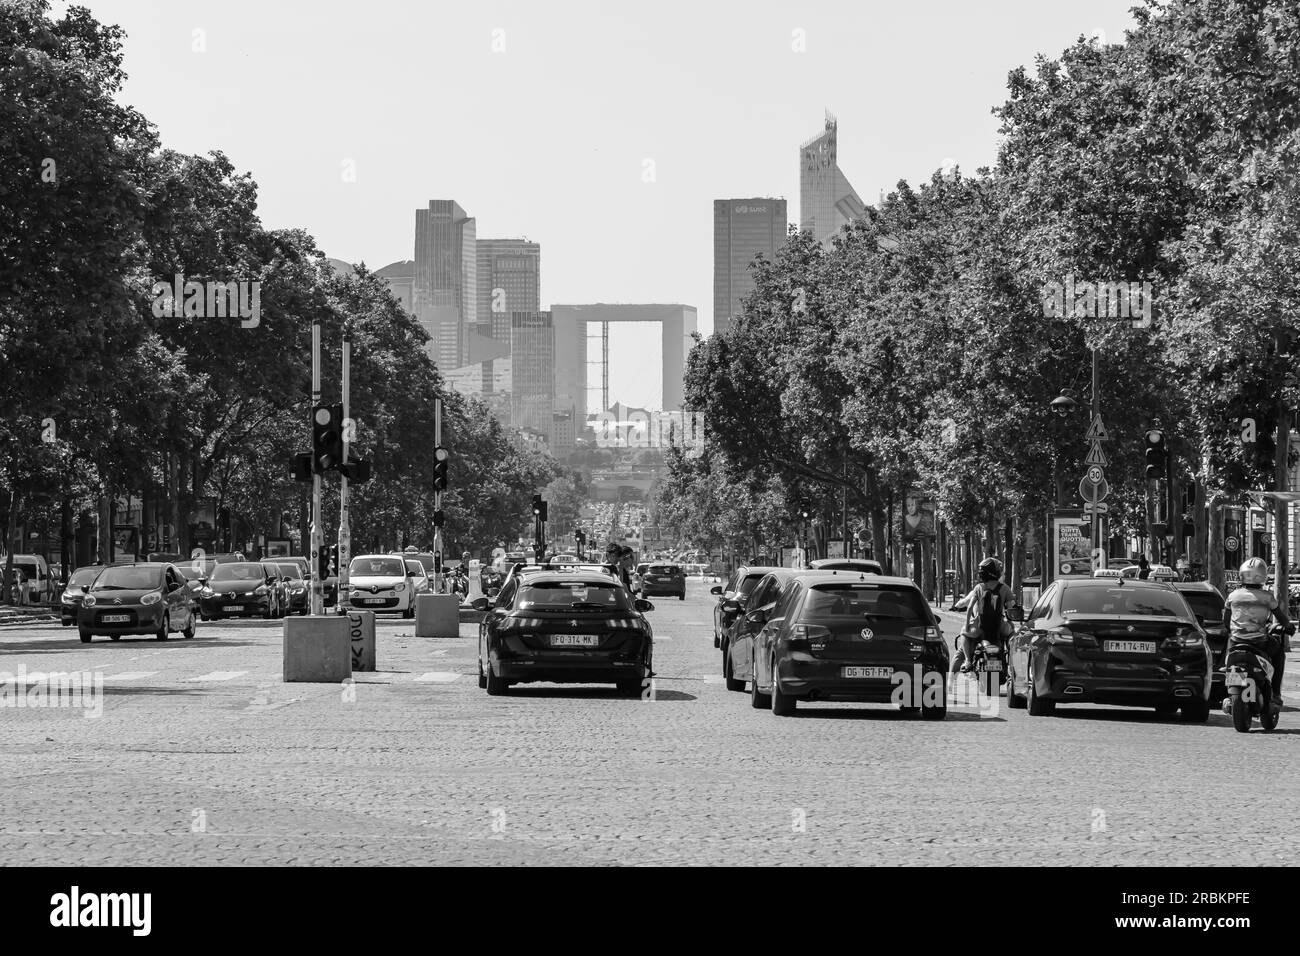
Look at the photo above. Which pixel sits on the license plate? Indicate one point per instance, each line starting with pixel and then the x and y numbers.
pixel 374 601
pixel 233 607
pixel 876 672
pixel 116 618
pixel 992 665
pixel 1131 647
pixel 575 640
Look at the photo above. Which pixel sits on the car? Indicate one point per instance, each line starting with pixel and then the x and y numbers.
pixel 737 643
pixel 568 627
pixel 1115 641
pixel 38 579
pixel 865 565
pixel 195 578
pixel 416 576
pixel 238 589
pixel 638 577
pixel 425 558
pixel 666 579
pixel 70 599
pixel 143 598
pixel 378 582
pixel 742 580
pixel 280 583
pixel 839 637
pixel 296 585
pixel 1207 603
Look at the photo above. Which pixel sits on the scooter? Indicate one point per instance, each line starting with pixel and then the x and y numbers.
pixel 1248 678
pixel 988 664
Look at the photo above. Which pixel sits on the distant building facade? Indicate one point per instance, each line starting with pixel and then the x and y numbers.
pixel 742 229
pixel 509 280
pixel 532 371
pixel 827 201
pixel 445 283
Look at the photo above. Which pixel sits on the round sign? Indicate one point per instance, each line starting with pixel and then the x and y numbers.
pixel 1095 474
pixel 1093 493
pixel 1230 543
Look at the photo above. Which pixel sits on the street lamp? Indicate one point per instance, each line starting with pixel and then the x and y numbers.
pixel 1065 403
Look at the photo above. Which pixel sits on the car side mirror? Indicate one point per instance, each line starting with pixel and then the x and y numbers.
pixel 641 604
pixel 756 617
pixel 479 604
pixel 716 589
pixel 1016 614
pixel 732 607
pixel 85 589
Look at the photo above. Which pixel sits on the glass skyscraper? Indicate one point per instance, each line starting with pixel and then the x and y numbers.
pixel 826 200
pixel 445 288
pixel 742 228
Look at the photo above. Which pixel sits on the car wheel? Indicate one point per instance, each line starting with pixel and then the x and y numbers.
pixel 1037 706
pixel 783 705
pixel 409 613
pixel 496 687
pixel 164 629
pixel 85 636
pixel 717 641
pixel 482 678
pixel 757 700
pixel 729 673
pixel 204 617
pixel 1269 715
pixel 188 633
pixel 1014 700
pixel 682 596
pixel 1196 711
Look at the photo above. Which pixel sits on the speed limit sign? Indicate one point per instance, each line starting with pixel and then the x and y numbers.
pixel 1095 474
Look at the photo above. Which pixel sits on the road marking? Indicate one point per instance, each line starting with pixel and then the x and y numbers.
pixel 130 675
pixel 662 637
pixel 437 677
pixel 713 678
pixel 214 676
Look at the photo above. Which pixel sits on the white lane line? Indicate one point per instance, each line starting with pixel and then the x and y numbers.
pixel 214 676
pixel 437 677
pixel 130 675
pixel 712 678
pixel 662 637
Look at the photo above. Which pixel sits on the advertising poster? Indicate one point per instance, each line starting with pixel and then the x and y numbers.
pixel 1071 547
pixel 918 516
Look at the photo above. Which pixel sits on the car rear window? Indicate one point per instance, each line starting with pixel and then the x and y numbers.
pixel 377 567
pixel 1126 599
pixel 750 582
pixel 665 569
pixel 590 595
pixel 131 579
pixel 1205 604
pixel 83 576
pixel 237 572
pixel 874 602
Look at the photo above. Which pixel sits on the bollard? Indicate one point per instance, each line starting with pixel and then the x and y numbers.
pixel 437 615
pixel 317 649
pixel 475 582
pixel 361 633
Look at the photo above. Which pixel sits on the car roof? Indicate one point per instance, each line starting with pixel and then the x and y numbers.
pixel 579 574
pixel 748 569
pixel 816 577
pixel 1196 586
pixel 855 562
pixel 1125 583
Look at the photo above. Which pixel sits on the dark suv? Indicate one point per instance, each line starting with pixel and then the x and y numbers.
pixel 667 579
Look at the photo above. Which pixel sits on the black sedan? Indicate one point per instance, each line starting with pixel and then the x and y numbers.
pixel 732 595
pixel 565 627
pixel 852 637
pixel 1111 641
pixel 238 589
pixel 147 598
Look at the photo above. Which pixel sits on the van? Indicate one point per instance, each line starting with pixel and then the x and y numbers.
pixel 36 572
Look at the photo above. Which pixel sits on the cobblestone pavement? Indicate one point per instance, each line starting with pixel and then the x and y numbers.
pixel 202 755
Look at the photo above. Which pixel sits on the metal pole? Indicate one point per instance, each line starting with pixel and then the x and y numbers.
pixel 437 501
pixel 317 538
pixel 1096 516
pixel 345 531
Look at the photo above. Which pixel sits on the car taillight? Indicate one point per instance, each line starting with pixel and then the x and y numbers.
pixel 1060 635
pixel 929 634
pixel 1184 637
pixel 808 637
pixel 520 623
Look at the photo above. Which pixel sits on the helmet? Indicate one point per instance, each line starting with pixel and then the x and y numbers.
pixel 990 569
pixel 1254 571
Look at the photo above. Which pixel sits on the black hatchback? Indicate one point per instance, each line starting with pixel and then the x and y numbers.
pixel 669 579
pixel 1111 641
pixel 566 628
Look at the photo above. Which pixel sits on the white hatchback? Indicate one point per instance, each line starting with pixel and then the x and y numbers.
pixel 378 582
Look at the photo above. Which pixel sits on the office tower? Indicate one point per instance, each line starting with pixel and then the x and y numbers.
pixel 532 371
pixel 826 200
pixel 742 229
pixel 509 280
pixel 445 289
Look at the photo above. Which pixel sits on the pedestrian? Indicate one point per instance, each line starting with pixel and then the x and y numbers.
pixel 1144 569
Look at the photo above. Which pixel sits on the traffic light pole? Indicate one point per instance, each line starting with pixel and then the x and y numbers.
pixel 345 531
pixel 437 501
pixel 317 585
pixel 1095 415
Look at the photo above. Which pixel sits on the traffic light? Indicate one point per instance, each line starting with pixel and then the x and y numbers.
pixel 437 518
pixel 580 536
pixel 440 457
pixel 1155 454
pixel 326 438
pixel 539 508
pixel 301 466
pixel 333 552
pixel 323 564
pixel 358 471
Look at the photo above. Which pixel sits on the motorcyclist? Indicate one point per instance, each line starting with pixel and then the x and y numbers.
pixel 1246 615
pixel 986 608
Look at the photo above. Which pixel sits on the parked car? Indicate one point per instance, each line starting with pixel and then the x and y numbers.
pixel 1207 604
pixel 71 598
pixel 144 598
pixel 296 585
pixel 417 577
pixel 377 582
pixel 1111 641
pixel 738 643
pixel 742 580
pixel 836 637
pixel 666 579
pixel 39 581
pixel 424 557
pixel 865 565
pixel 568 627
pixel 238 589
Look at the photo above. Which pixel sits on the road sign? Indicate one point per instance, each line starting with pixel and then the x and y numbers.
pixel 1091 492
pixel 1096 475
pixel 1096 507
pixel 1096 431
pixel 1096 456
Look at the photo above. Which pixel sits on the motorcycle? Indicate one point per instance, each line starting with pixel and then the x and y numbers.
pixel 1248 678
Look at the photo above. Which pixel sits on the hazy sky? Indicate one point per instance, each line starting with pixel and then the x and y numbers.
pixel 539 118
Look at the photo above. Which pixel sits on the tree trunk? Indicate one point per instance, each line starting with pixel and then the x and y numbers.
pixel 1214 569
pixel 106 527
pixel 11 523
pixel 1281 557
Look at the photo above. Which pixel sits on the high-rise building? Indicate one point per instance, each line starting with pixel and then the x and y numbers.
pixel 826 200
pixel 532 371
pixel 742 228
pixel 445 284
pixel 509 280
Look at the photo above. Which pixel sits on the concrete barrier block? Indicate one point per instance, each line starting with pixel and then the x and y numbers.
pixel 317 649
pixel 437 615
pixel 361 632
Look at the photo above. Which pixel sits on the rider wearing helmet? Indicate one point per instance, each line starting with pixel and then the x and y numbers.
pixel 986 608
pixel 1246 615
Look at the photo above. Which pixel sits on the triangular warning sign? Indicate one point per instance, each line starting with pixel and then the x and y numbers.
pixel 1096 456
pixel 1096 431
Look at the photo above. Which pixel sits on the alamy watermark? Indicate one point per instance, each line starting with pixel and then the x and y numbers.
pixel 209 300
pixel 83 690
pixel 681 430
pixel 1073 299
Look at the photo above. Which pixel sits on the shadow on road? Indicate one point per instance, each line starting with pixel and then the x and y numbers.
pixel 594 693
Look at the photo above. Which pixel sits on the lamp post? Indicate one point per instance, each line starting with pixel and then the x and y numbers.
pixel 1064 405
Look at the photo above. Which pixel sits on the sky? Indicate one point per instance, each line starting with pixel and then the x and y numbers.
pixel 603 130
